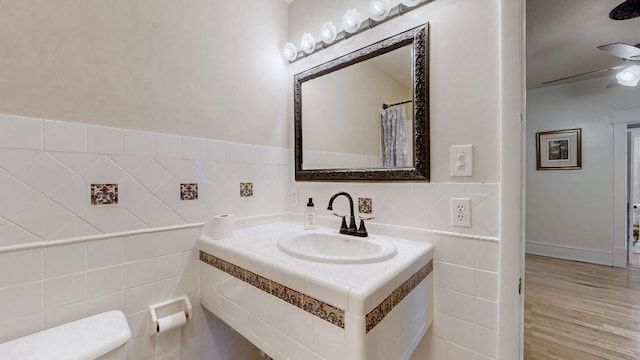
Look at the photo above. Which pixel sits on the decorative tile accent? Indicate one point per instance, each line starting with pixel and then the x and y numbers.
pixel 376 315
pixel 246 189
pixel 287 294
pixel 258 281
pixel 365 205
pixel 324 311
pixel 188 191
pixel 104 194
pixel 213 261
pixel 312 305
pixel 235 271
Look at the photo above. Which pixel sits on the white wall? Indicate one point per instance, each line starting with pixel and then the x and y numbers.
pixel 466 108
pixel 188 69
pixel 570 212
pixel 464 101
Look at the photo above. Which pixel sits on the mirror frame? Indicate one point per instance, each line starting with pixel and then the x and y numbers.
pixel 418 38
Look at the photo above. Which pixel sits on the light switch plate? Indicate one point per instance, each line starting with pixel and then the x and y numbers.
pixel 462 160
pixel 293 198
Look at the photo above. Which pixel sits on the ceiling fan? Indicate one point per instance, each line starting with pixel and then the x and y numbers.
pixel 627 10
pixel 630 55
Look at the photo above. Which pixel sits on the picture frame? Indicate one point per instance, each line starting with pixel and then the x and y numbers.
pixel 559 150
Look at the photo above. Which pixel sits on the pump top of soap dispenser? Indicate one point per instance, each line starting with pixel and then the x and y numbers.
pixel 310 202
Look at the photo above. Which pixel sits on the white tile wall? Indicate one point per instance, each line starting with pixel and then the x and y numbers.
pixel 465 268
pixel 194 149
pixel 465 301
pixel 20 132
pixel 104 140
pixel 45 171
pixel 138 143
pixel 168 146
pixel 56 285
pixel 63 136
pixel 45 193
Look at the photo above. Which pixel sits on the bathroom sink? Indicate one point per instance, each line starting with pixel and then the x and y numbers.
pixel 325 308
pixel 336 248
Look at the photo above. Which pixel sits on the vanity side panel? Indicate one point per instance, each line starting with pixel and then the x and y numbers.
pixel 264 319
pixel 402 329
pixel 213 285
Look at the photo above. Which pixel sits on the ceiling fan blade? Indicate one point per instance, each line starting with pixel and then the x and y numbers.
pixel 583 74
pixel 621 50
pixel 627 10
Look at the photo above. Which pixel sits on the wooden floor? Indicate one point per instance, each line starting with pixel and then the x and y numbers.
pixel 634 259
pixel 580 311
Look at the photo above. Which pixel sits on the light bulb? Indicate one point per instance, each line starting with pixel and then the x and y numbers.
pixel 328 31
pixel 629 76
pixel 290 52
pixel 626 75
pixel 411 3
pixel 351 21
pixel 307 43
pixel 379 9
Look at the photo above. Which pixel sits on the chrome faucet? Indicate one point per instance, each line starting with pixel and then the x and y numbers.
pixel 352 229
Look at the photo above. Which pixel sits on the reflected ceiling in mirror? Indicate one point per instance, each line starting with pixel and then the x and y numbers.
pixel 347 123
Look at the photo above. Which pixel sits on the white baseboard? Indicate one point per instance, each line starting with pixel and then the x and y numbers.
pixel 570 253
pixel 619 257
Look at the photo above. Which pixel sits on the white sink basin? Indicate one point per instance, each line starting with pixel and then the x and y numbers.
pixel 336 248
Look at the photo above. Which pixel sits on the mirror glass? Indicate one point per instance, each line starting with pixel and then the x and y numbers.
pixel 360 91
pixel 364 116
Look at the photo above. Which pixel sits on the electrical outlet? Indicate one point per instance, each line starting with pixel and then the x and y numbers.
pixel 461 212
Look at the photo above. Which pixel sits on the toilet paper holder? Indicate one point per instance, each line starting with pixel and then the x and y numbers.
pixel 168 309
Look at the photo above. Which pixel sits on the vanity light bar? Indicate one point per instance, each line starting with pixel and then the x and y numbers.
pixel 368 23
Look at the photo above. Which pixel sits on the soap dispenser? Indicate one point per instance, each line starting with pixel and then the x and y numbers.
pixel 310 216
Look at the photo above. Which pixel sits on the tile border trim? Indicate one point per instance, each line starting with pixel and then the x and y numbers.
pixel 313 306
pixel 300 300
pixel 241 223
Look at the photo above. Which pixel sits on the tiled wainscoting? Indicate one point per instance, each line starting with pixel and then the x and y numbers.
pixel 46 287
pixel 466 260
pixel 46 172
pixel 47 169
pixel 465 324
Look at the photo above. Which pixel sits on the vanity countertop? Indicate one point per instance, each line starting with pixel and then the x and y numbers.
pixel 357 288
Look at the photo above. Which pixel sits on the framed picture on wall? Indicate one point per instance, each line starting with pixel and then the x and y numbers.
pixel 559 150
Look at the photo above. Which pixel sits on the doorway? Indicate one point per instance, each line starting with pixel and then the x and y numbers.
pixel 633 195
pixel 625 123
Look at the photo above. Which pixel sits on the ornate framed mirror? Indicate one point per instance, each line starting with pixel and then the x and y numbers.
pixel 365 116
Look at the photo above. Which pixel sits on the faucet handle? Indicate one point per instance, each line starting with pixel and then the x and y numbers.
pixel 343 226
pixel 362 230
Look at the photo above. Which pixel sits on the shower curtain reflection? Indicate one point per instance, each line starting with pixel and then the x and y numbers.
pixel 394 137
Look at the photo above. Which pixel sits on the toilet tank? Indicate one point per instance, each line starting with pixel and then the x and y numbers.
pixel 84 339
